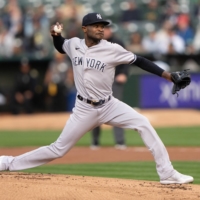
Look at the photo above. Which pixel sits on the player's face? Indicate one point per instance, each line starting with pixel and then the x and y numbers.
pixel 95 31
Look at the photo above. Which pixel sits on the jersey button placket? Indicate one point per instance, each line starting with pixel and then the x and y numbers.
pixel 84 69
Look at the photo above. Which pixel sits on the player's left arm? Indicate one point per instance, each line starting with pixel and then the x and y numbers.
pixel 151 67
pixel 181 79
pixel 122 56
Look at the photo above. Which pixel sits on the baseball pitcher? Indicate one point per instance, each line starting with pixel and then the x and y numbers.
pixel 94 61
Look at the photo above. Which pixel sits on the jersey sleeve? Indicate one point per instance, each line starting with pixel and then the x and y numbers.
pixel 66 46
pixel 122 56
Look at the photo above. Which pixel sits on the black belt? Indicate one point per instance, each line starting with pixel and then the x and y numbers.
pixel 93 102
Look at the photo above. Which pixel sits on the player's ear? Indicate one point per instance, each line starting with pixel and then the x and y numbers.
pixel 84 28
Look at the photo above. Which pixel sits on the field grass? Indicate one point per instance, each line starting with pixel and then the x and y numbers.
pixel 124 170
pixel 179 136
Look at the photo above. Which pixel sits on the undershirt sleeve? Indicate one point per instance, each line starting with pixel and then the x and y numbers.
pixel 58 42
pixel 148 66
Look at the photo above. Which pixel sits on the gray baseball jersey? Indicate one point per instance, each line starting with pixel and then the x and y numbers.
pixel 94 69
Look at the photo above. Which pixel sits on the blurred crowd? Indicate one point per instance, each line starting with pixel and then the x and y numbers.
pixel 24 30
pixel 172 28
pixel 147 26
pixel 155 27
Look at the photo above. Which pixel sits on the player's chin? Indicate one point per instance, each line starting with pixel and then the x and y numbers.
pixel 99 36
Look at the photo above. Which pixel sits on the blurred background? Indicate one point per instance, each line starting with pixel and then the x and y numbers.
pixel 34 77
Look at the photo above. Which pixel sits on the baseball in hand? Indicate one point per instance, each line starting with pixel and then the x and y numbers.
pixel 57 28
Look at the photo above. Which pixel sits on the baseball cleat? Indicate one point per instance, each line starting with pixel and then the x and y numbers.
pixel 2 165
pixel 94 147
pixel 178 178
pixel 120 146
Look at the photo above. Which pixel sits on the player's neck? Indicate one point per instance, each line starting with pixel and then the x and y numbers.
pixel 90 42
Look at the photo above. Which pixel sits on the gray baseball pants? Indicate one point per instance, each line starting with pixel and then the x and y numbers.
pixel 84 118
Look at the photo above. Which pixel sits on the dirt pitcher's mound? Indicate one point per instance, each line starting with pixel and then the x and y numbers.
pixel 20 186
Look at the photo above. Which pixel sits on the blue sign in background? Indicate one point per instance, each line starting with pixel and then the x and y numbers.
pixel 155 92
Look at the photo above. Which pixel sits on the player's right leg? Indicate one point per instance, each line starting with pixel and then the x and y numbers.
pixel 83 119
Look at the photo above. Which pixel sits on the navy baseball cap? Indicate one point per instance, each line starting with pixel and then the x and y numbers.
pixel 93 18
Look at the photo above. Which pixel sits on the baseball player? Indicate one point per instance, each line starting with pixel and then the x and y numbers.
pixel 94 61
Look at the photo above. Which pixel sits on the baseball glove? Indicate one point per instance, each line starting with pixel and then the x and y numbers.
pixel 181 79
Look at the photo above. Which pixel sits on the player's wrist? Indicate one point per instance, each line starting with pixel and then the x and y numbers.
pixel 167 75
pixel 56 34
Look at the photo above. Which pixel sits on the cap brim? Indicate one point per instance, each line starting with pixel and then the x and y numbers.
pixel 99 21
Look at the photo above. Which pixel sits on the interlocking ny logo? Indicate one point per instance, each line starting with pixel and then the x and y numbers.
pixel 99 16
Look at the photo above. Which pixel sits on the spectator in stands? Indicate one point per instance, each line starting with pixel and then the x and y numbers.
pixel 24 90
pixel 28 30
pixel 16 28
pixel 150 42
pixel 6 42
pixel 57 83
pixel 12 30
pixel 171 11
pixel 133 13
pixel 36 24
pixel 196 41
pixel 135 43
pixel 15 15
pixel 73 25
pixel 176 43
pixel 68 7
pixel 184 30
pixel 196 11
pixel 168 40
pixel 5 17
pixel 70 14
pixel 41 44
pixel 152 12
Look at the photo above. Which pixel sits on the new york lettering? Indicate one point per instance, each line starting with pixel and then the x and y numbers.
pixel 77 61
pixel 91 63
pixel 95 64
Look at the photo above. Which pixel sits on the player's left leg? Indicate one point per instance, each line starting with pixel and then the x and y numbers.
pixel 121 115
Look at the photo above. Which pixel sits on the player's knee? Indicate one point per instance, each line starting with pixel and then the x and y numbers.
pixel 58 152
pixel 144 120
pixel 143 125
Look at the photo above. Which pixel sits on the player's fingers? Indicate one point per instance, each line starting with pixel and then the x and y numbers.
pixel 52 27
pixel 58 24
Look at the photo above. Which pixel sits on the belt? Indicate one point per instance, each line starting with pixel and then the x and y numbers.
pixel 93 102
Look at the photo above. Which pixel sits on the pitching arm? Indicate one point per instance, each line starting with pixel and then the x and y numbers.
pixel 58 42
